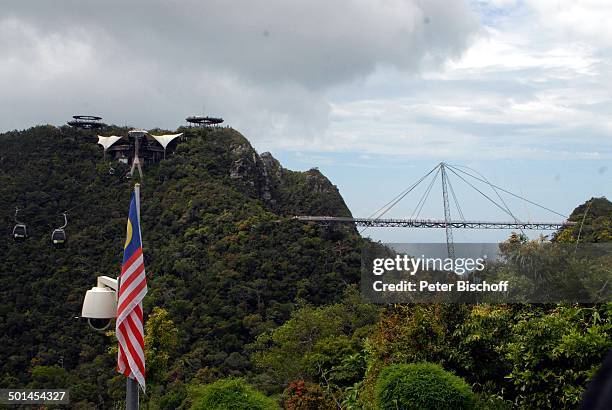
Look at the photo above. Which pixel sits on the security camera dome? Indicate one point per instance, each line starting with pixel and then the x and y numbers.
pixel 100 303
pixel 99 324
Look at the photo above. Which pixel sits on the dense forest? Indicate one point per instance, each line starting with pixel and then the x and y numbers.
pixel 247 305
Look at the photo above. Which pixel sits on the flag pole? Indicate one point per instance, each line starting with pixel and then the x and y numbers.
pixel 131 391
pixel 137 197
pixel 131 394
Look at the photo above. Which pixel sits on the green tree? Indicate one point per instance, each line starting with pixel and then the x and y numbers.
pixel 50 377
pixel 223 255
pixel 422 386
pixel 553 354
pixel 229 394
pixel 161 342
pixel 319 344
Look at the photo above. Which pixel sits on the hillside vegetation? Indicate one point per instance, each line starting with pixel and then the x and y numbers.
pixel 222 255
pixel 250 308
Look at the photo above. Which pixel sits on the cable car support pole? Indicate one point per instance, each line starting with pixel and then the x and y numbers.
pixel 136 160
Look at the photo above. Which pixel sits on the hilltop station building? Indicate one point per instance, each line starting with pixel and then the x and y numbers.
pixel 138 147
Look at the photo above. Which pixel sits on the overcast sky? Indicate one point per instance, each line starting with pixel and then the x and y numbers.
pixel 373 92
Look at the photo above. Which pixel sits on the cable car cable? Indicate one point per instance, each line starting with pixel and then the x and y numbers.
pixel 58 236
pixel 43 219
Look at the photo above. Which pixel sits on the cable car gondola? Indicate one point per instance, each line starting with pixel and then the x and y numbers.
pixel 20 231
pixel 58 237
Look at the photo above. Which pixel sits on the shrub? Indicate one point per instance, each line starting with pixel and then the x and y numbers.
pixel 301 395
pixel 48 377
pixel 422 386
pixel 554 354
pixel 230 394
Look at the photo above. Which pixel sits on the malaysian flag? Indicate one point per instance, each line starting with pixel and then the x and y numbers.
pixel 132 289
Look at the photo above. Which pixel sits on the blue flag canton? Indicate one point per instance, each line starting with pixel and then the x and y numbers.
pixel 132 241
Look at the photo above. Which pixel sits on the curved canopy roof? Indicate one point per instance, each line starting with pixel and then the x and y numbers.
pixel 106 142
pixel 164 140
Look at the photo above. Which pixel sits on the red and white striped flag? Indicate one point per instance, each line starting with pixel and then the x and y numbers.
pixel 132 289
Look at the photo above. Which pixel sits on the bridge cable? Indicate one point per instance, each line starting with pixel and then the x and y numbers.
pixel 490 185
pixel 455 199
pixel 494 190
pixel 513 194
pixel 425 196
pixel 387 207
pixel 482 193
pixel 581 225
pixel 401 196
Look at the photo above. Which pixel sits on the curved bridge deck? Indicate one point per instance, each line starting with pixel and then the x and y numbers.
pixel 432 223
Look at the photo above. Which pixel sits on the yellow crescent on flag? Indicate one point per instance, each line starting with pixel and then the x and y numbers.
pixel 129 234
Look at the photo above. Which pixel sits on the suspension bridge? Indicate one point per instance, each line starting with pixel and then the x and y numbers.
pixel 432 223
pixel 466 175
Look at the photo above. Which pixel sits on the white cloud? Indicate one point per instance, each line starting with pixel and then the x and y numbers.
pixel 520 91
pixel 501 51
pixel 501 3
pixel 585 20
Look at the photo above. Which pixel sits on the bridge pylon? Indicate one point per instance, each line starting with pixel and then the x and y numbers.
pixel 450 245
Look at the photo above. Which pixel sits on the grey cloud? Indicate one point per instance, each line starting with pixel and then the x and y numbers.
pixel 265 65
pixel 314 42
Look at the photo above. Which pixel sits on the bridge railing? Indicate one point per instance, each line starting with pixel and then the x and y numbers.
pixel 435 223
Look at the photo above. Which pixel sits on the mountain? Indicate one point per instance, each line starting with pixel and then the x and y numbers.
pixel 238 288
pixel 593 223
pixel 223 255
